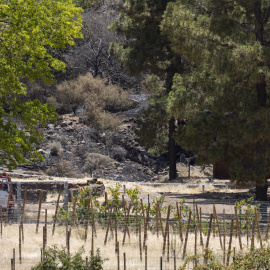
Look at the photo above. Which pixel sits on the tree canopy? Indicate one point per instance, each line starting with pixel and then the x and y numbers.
pixel 29 30
pixel 147 49
pixel 225 95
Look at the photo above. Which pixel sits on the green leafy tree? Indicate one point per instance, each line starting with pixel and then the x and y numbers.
pixel 146 49
pixel 225 96
pixel 29 30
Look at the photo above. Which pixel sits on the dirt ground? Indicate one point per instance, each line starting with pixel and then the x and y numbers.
pixel 198 189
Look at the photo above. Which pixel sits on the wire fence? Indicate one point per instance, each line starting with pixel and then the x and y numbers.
pixel 163 240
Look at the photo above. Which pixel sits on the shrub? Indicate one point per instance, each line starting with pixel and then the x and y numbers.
pixel 58 259
pixel 256 259
pixel 119 153
pixel 96 161
pixel 100 120
pixel 55 148
pixel 91 134
pixel 70 95
pixel 99 98
pixel 64 168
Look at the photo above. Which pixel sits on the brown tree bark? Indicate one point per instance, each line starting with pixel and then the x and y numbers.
pixel 261 191
pixel 261 188
pixel 172 150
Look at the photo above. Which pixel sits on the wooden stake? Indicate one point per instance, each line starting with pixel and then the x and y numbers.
pixel 7 212
pixel 108 226
pixel 126 225
pixel 166 230
pixel 174 260
pixel 74 212
pixel 268 226
pixel 157 225
pixel 186 238
pixel 22 232
pixel 179 216
pixel 115 222
pixel 207 240
pixel 44 238
pixel 137 225
pixel 168 243
pixel 118 256
pixel 87 218
pixel 67 243
pixel 68 247
pixel 23 207
pixel 93 215
pixel 200 225
pixel 195 240
pixel 238 228
pixel 20 244
pixel 224 238
pixel 56 213
pixel 258 227
pixel 143 212
pixel 195 246
pixel 39 208
pixel 125 262
pixel 247 230
pixel 230 244
pixel 106 199
pixel 145 257
pixel 92 240
pixel 216 217
pixel 253 235
pixel 23 211
pixel 14 259
pixel 160 219
pixel 1 218
pixel 140 241
pixel 146 226
pixel 46 217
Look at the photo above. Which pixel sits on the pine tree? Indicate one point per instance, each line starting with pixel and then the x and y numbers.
pixel 146 49
pixel 225 97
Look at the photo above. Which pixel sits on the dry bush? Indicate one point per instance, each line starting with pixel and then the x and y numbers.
pixel 97 96
pixel 71 95
pixel 101 94
pixel 55 148
pixel 64 168
pixel 62 139
pixel 96 161
pixel 101 120
pixel 119 153
pixel 91 134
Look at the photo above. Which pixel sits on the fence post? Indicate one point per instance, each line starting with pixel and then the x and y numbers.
pixel 19 202
pixel 66 196
pixel 202 188
pixel 160 263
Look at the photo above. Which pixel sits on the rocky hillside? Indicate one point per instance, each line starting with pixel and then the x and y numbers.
pixel 73 149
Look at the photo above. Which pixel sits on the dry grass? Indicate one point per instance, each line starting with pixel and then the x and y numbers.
pixel 33 243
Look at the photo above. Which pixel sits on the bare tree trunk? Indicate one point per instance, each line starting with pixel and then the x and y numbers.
pixel 172 150
pixel 261 191
pixel 261 188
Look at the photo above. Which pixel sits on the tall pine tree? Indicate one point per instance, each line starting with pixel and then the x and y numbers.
pixel 146 49
pixel 225 97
